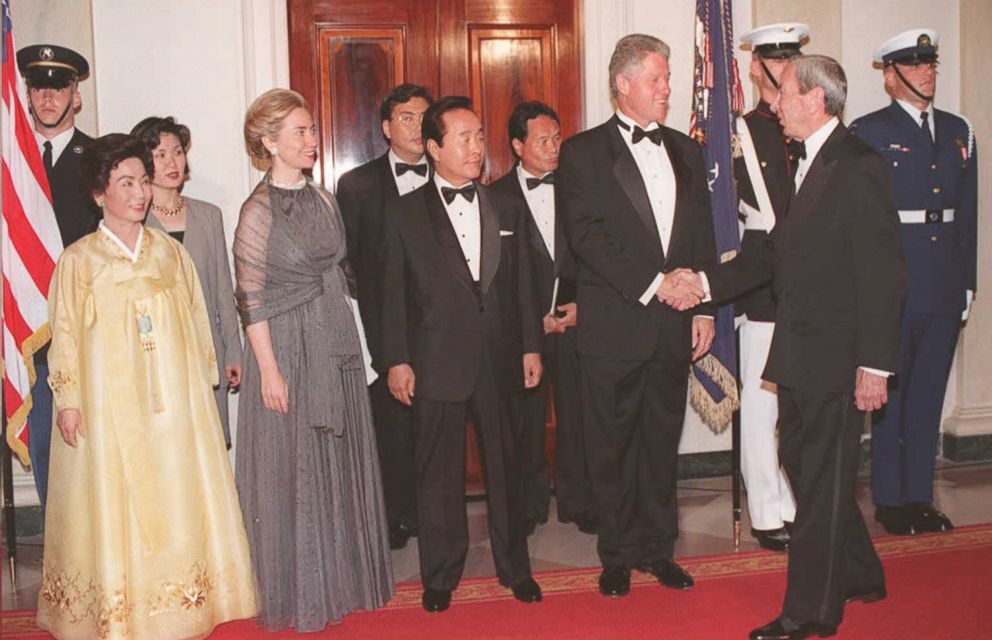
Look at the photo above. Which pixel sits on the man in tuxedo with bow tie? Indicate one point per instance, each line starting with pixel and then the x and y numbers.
pixel 460 335
pixel 535 137
pixel 839 281
pixel 635 204
pixel 362 195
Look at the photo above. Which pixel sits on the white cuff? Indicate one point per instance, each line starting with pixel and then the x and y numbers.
pixel 877 372
pixel 707 297
pixel 652 289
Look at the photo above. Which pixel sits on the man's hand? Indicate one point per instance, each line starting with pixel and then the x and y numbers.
pixel 552 325
pixel 570 318
pixel 532 370
pixel 703 332
pixel 681 289
pixel 871 391
pixel 233 376
pixel 70 424
pixel 402 382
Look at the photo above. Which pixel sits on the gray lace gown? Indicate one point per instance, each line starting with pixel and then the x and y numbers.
pixel 308 481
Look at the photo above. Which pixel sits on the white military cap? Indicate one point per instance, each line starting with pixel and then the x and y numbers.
pixel 781 40
pixel 909 47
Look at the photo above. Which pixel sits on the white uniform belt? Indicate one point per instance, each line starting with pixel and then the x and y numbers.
pixel 926 216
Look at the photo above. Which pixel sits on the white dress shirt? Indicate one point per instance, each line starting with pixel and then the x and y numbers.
pixel 133 255
pixel 465 219
pixel 814 143
pixel 541 201
pixel 59 143
pixel 410 180
pixel 916 113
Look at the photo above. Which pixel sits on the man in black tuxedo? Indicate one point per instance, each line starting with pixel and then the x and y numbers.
pixel 839 281
pixel 535 137
pixel 635 204
pixel 362 195
pixel 52 75
pixel 459 333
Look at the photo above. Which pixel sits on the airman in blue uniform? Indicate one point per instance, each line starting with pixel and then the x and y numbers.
pixel 933 160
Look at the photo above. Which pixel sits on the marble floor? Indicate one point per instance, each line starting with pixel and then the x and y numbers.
pixel 961 491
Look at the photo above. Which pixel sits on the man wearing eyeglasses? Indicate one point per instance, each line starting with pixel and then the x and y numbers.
pixel 931 154
pixel 362 195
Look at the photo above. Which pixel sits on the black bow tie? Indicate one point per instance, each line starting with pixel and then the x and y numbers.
pixel 534 183
pixel 654 135
pixel 468 192
pixel 419 169
pixel 799 149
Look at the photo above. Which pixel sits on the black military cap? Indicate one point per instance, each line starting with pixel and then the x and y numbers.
pixel 51 66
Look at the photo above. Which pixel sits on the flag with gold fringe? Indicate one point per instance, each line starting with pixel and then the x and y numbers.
pixel 716 101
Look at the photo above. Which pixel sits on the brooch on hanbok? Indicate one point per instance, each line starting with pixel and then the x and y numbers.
pixel 146 336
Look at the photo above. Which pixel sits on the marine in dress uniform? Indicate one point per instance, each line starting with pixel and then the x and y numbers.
pixel 363 195
pixel 770 502
pixel 52 75
pixel 535 136
pixel 933 162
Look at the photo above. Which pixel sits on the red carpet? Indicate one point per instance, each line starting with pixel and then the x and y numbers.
pixel 940 587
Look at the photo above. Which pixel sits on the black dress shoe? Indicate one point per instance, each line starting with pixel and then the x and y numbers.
pixel 669 574
pixel 436 600
pixel 772 539
pixel 866 595
pixel 897 521
pixel 399 535
pixel 527 591
pixel 775 630
pixel 614 582
pixel 928 518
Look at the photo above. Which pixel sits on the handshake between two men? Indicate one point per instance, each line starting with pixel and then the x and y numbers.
pixel 683 289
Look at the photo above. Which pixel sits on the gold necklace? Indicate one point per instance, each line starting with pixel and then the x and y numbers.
pixel 167 212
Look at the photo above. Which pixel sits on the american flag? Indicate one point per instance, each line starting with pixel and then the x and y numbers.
pixel 29 246
pixel 717 99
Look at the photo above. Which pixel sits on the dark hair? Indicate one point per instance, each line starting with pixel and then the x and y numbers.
pixel 433 127
pixel 401 94
pixel 151 129
pixel 524 113
pixel 103 155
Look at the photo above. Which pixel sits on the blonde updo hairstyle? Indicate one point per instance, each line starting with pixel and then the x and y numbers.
pixel 264 119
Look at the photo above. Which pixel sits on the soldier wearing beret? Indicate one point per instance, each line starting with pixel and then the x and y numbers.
pixel 52 75
pixel 932 158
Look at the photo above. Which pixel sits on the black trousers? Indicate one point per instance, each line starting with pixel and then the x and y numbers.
pixel 394 440
pixel 831 551
pixel 632 416
pixel 572 487
pixel 440 458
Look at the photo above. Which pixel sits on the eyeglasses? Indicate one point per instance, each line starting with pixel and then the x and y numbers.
pixel 408 119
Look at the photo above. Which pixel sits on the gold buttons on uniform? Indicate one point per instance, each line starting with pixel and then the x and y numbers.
pixel 895 163
pixel 933 238
pixel 936 189
pixel 933 166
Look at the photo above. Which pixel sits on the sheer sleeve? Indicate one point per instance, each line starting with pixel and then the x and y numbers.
pixel 251 244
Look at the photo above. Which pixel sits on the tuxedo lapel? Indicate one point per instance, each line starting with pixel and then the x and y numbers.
pixel 817 176
pixel 629 176
pixel 536 239
pixel 447 241
pixel 489 221
pixel 682 181
pixel 386 178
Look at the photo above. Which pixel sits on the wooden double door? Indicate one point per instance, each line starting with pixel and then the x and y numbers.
pixel 345 55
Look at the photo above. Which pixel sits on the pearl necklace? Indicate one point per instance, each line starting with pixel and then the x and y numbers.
pixel 165 211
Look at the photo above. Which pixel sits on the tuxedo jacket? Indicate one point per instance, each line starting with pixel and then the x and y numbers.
pixel 839 275
pixel 510 199
pixel 75 213
pixel 435 317
pixel 362 194
pixel 612 232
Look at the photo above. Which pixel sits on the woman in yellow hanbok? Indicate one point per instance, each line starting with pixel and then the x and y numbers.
pixel 143 534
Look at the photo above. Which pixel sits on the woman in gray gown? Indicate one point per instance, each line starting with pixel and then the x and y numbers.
pixel 307 468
